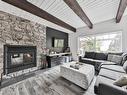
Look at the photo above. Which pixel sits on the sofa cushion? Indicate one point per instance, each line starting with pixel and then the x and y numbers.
pixel 108 62
pixel 99 61
pixel 89 55
pixel 116 68
pixel 125 66
pixel 110 74
pixel 88 61
pixel 101 56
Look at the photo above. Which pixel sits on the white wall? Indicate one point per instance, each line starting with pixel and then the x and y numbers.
pixel 103 27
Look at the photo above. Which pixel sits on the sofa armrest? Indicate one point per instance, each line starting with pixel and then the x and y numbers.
pixel 110 89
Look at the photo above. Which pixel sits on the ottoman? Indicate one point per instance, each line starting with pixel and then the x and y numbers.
pixel 81 77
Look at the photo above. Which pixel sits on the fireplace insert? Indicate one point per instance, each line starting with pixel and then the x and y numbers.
pixel 19 57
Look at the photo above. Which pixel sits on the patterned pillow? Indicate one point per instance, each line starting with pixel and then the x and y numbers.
pixel 115 58
pixel 110 56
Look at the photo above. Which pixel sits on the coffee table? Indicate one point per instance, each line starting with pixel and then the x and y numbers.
pixel 81 77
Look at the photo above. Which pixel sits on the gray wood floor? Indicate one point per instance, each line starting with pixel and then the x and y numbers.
pixel 46 83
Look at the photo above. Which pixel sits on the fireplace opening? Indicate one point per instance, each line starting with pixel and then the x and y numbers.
pixel 22 58
pixel 19 57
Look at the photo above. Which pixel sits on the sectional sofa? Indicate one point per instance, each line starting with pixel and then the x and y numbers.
pixel 108 75
pixel 110 67
pixel 96 59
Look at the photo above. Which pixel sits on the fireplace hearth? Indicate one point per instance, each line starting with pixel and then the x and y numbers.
pixel 19 57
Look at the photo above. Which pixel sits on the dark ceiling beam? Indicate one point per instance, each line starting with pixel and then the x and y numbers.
pixel 27 6
pixel 73 4
pixel 121 9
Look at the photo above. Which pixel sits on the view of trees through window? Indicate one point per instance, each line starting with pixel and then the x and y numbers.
pixel 111 42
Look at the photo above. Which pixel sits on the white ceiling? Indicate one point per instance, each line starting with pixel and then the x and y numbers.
pixel 100 10
pixel 59 9
pixel 96 10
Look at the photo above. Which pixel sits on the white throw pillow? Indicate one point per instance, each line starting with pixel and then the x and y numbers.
pixel 122 81
pixel 115 58
pixel 110 56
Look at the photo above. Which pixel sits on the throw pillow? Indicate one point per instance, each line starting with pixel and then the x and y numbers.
pixel 125 66
pixel 110 56
pixel 122 81
pixel 115 58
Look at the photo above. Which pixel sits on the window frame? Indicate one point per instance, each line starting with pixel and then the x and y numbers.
pixel 97 34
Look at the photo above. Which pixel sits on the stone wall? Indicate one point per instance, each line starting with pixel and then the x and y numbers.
pixel 18 31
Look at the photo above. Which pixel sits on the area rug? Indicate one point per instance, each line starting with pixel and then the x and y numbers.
pixel 47 83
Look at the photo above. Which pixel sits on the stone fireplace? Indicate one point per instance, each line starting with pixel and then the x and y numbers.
pixel 18 57
pixel 15 30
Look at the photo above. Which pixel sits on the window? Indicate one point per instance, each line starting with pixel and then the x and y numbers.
pixel 111 42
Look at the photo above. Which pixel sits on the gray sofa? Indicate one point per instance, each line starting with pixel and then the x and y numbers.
pixel 109 71
pixel 97 59
pixel 107 76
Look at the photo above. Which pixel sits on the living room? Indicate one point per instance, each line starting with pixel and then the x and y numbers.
pixel 63 47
